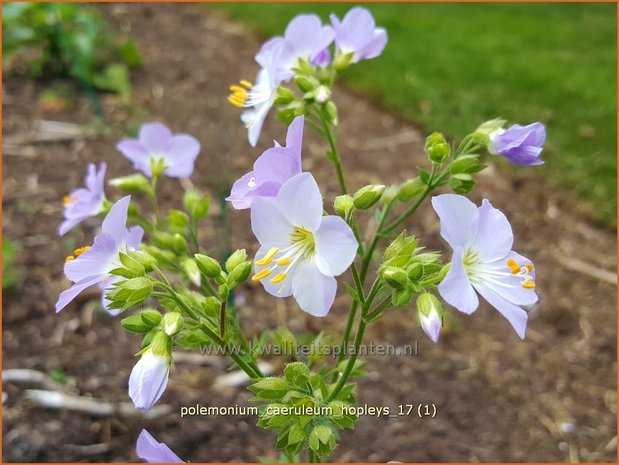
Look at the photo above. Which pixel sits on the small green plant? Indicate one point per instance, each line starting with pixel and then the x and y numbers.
pixel 10 274
pixel 67 39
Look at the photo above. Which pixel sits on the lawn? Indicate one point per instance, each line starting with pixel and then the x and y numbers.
pixel 448 67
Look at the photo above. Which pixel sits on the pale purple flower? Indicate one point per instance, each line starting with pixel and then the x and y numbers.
pixel 151 451
pixel 357 34
pixel 482 261
pixel 300 249
pixel 305 38
pixel 259 98
pixel 271 169
pixel 148 380
pixel 522 145
pixel 431 324
pixel 84 202
pixel 323 58
pixel 92 265
pixel 156 141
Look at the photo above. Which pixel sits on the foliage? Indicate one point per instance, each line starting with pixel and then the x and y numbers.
pixel 68 39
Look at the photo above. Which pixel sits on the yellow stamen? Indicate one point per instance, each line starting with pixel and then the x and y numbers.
pixel 529 267
pixel 514 267
pixel 236 102
pixel 284 261
pixel 528 285
pixel 279 278
pixel 67 199
pixel 79 251
pixel 238 90
pixel 261 275
pixel 69 258
pixel 268 258
pixel 239 93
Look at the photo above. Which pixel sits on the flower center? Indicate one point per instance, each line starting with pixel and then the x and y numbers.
pixel 239 94
pixel 303 246
pixel 478 274
pixel 76 253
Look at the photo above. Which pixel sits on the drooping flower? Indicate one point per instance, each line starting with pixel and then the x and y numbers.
pixel 522 145
pixel 84 202
pixel 148 380
pixel 156 142
pixel 429 313
pixel 151 451
pixel 306 39
pixel 271 169
pixel 482 261
pixel 92 265
pixel 357 34
pixel 300 249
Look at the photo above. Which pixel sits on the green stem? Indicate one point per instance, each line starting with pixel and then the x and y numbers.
pixel 152 195
pixel 357 343
pixel 335 158
pixel 252 371
pixel 222 319
pixel 410 210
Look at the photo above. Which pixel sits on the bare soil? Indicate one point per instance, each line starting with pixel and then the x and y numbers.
pixel 498 398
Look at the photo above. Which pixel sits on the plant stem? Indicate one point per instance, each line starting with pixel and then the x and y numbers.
pixel 410 210
pixel 222 319
pixel 335 155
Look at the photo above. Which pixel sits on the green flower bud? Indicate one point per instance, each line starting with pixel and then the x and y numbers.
pixel 368 196
pixel 401 297
pixel 389 194
pixel 343 204
pixel 157 167
pixel 461 183
pixel 395 277
pixel 322 440
pixel 207 265
pixel 135 324
pixel 180 244
pixel 224 291
pixel 150 317
pixel 236 259
pixel 415 271
pixel 305 83
pixel 330 110
pixel 196 204
pixel 163 239
pixel 178 221
pixel 283 96
pixel 172 323
pixel 131 292
pixel 297 373
pixel 240 273
pixel 411 189
pixel 191 270
pixel 437 148
pixel 131 184
pixel 143 258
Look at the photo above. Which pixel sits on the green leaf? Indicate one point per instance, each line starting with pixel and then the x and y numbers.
pixel 129 53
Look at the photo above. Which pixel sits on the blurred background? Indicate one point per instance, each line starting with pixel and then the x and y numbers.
pixel 77 77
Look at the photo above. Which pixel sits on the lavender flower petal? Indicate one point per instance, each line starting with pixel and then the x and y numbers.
pixel 456 288
pixel 313 291
pixel 148 380
pixel 459 219
pixel 151 451
pixel 336 246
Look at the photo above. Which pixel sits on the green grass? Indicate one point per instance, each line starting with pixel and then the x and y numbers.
pixel 448 67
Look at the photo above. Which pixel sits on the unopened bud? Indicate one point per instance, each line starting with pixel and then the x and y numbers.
pixel 368 196
pixel 437 148
pixel 411 189
pixel 236 259
pixel 343 204
pixel 172 323
pixel 131 184
pixel 207 265
pixel 429 312
pixel 395 277
pixel 240 273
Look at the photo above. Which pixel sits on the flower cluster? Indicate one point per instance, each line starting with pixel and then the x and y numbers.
pixel 306 42
pixel 154 264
